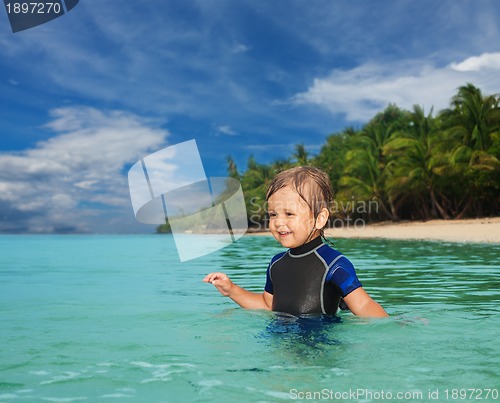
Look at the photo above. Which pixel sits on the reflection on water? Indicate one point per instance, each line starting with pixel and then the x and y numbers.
pixel 300 336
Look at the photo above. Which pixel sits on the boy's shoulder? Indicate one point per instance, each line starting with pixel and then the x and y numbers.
pixel 329 254
pixel 277 257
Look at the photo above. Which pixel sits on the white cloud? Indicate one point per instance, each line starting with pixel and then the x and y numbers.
pixel 240 48
pixel 74 178
pixel 476 63
pixel 363 91
pixel 227 130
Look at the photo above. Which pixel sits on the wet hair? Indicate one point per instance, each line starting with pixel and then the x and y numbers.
pixel 312 184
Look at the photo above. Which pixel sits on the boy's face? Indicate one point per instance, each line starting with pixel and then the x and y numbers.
pixel 290 219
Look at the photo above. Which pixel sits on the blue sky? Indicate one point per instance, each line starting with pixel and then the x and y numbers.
pixel 85 96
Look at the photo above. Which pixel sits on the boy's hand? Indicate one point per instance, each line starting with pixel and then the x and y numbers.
pixel 244 298
pixel 221 281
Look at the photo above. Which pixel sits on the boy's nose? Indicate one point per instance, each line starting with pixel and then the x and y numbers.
pixel 280 222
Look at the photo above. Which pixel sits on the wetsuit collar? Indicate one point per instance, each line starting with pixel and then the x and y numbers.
pixel 307 247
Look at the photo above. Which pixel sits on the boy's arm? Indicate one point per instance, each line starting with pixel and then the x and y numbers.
pixel 244 298
pixel 361 304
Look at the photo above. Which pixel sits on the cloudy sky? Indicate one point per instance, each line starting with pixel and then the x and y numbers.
pixel 85 96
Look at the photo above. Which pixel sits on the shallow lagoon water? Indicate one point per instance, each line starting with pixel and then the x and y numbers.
pixel 118 318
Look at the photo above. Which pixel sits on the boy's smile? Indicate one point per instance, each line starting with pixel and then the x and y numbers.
pixel 291 220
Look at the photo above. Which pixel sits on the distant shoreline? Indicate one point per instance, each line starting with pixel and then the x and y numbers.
pixel 477 230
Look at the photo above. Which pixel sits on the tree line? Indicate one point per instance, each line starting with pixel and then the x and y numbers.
pixel 402 164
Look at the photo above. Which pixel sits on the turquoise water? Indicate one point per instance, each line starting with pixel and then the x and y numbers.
pixel 118 318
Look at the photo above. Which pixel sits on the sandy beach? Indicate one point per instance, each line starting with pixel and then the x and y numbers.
pixel 480 230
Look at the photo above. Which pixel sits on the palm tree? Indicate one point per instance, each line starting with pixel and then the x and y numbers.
pixel 414 154
pixel 280 165
pixel 255 182
pixel 474 117
pixel 473 124
pixel 232 169
pixel 301 155
pixel 332 155
pixel 365 170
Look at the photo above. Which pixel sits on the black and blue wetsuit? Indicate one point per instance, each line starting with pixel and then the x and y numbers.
pixel 310 279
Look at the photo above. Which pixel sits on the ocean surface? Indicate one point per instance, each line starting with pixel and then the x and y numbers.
pixel 119 318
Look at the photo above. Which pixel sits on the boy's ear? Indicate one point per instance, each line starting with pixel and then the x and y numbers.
pixel 322 218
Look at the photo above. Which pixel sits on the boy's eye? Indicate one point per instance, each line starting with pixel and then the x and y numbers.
pixel 289 214
pixel 272 215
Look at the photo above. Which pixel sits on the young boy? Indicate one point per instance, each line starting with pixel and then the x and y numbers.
pixel 310 277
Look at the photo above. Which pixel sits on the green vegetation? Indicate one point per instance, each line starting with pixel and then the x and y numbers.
pixel 401 165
